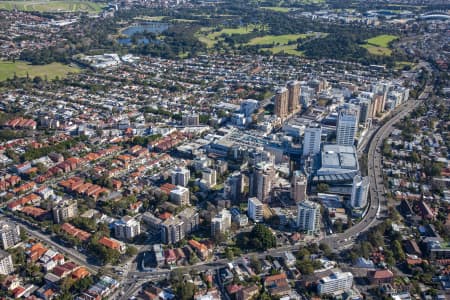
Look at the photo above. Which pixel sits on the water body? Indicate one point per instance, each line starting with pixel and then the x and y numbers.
pixel 154 27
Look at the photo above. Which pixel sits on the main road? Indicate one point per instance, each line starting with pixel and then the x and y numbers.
pixel 377 208
pixel 378 203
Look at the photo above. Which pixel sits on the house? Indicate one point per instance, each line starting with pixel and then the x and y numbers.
pixel 380 276
pixel 80 273
pixel 200 249
pixel 277 285
pixel 75 232
pixel 112 244
pixel 35 252
pixel 10 282
pixel 170 256
pixel 248 293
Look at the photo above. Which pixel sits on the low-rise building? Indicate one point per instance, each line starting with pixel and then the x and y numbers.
pixel 337 281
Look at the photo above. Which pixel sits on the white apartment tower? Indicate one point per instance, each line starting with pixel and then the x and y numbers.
pixel 6 263
pixel 335 282
pixel 180 176
pixel 360 191
pixel 127 228
pixel 347 126
pixel 221 223
pixel 312 140
pixel 255 210
pixel 210 176
pixel 308 217
pixel 9 234
pixel 180 195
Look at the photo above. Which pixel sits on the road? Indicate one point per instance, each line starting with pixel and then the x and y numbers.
pixel 73 254
pixel 340 241
pixel 377 203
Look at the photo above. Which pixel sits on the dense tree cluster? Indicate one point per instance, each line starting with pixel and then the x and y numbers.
pixel 260 238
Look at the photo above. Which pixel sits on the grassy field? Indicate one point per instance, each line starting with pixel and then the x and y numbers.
pixel 276 39
pixel 375 50
pixel 379 45
pixel 276 8
pixel 382 40
pixel 288 49
pixel 209 36
pixel 182 20
pixel 399 65
pixel 148 18
pixel 52 6
pixel 20 68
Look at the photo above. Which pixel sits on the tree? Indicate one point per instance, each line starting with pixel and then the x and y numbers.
pixel 185 290
pixel 262 237
pixel 326 249
pixel 398 250
pixel 131 251
pixel 255 263
pixel 229 253
pixel 322 188
pixel 303 253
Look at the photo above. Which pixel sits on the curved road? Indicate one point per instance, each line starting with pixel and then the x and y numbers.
pixel 338 242
pixel 377 203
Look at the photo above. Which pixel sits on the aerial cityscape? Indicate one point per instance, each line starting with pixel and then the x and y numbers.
pixel 224 150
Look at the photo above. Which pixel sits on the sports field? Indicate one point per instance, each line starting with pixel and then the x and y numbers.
pixel 288 49
pixel 276 39
pixel 20 68
pixel 382 40
pixel 379 45
pixel 276 8
pixel 210 37
pixel 53 6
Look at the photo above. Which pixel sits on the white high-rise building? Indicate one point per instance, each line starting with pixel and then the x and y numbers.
pixel 347 126
pixel 9 234
pixel 308 217
pixel 255 210
pixel 335 282
pixel 180 195
pixel 127 228
pixel 221 222
pixel 360 191
pixel 312 140
pixel 180 176
pixel 210 177
pixel 6 263
pixel 299 185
